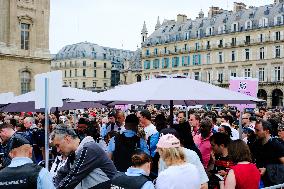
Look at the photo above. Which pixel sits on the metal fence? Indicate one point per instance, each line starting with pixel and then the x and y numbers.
pixel 279 186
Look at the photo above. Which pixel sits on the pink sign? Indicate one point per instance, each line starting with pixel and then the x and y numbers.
pixel 248 86
pixel 121 107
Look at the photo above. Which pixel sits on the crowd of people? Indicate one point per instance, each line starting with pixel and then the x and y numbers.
pixel 108 148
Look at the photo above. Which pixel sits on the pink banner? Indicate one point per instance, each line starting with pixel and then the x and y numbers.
pixel 248 86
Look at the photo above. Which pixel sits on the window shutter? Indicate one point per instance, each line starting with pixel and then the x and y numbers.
pixel 163 62
pixel 173 62
pixel 193 59
pixel 188 59
pixel 177 61
pixel 182 59
pixel 199 59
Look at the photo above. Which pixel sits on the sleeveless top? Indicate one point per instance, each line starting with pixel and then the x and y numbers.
pixel 247 176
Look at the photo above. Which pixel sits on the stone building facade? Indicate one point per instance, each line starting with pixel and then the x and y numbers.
pixel 24 43
pixel 90 66
pixel 246 42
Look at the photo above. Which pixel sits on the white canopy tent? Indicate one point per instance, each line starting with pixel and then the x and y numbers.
pixel 73 99
pixel 173 91
pixel 182 91
pixel 6 98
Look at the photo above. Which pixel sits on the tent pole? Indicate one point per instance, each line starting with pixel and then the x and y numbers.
pixel 240 125
pixel 171 113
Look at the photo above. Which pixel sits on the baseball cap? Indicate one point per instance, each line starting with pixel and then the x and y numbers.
pixel 168 141
pixel 18 141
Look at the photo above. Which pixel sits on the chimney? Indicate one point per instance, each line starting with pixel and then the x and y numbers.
pixel 239 6
pixel 181 18
pixel 213 11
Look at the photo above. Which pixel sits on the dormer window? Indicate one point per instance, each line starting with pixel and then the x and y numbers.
pixel 278 20
pixel 248 25
pixel 263 22
pixel 235 27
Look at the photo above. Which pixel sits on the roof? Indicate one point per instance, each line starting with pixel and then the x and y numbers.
pixel 171 30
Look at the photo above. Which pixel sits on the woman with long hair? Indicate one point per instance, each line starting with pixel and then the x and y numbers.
pixel 244 174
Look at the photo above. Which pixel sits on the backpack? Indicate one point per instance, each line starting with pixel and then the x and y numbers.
pixel 125 147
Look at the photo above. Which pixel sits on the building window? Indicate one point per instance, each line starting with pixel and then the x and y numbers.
pixel 277 36
pixel 261 74
pixel 247 72
pixel 277 52
pixel 247 42
pixel 95 73
pixel 76 73
pixel 105 85
pixel 220 43
pixel 185 47
pixel 175 62
pixel 233 73
pixel 175 49
pixel 234 42
pixel 76 84
pixel 277 73
pixel 220 55
pixel 196 60
pixel 165 50
pixel 105 65
pixel 95 64
pixel 196 46
pixel 70 73
pixel 156 63
pixel 65 73
pixel 208 45
pixel 166 63
pixel 247 54
pixel 261 53
pixel 155 51
pixel 105 74
pixel 25 36
pixel 25 82
pixel 147 52
pixel 84 63
pixel 84 85
pixel 208 58
pixel 94 84
pixel 233 56
pixel 261 38
pixel 186 60
pixel 208 77
pixel 220 77
pixel 147 64
pixel 196 76
pixel 70 84
pixel 104 56
pixel 84 72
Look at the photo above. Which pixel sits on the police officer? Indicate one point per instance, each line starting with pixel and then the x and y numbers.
pixel 22 172
pixel 136 176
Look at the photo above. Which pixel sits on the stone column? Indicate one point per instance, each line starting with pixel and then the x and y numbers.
pixel 269 101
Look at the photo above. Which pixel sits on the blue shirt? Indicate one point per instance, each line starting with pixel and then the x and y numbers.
pixel 44 179
pixel 131 171
pixel 128 133
pixel 153 143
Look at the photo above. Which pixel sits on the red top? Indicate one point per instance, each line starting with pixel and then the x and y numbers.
pixel 247 176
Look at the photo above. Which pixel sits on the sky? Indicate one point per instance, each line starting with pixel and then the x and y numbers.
pixel 118 23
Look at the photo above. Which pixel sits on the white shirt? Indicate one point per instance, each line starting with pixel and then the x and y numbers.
pixel 191 157
pixel 150 130
pixel 184 176
pixel 235 134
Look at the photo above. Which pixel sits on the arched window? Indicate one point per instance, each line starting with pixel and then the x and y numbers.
pixel 25 82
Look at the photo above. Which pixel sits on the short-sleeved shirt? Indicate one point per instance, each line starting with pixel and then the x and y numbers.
pixel 269 153
pixel 204 146
pixel 179 176
pixel 191 157
pixel 128 133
